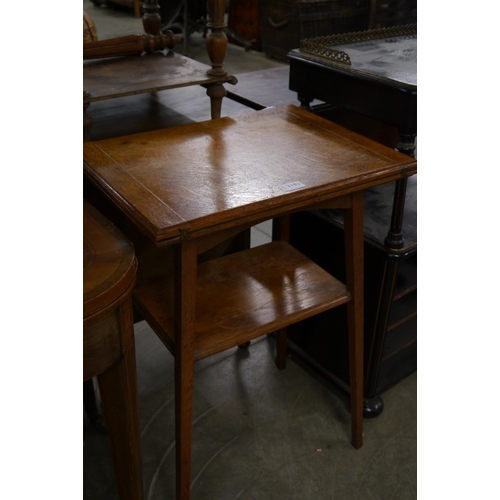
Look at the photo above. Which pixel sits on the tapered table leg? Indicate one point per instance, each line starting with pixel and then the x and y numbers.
pixel 118 389
pixel 185 293
pixel 353 223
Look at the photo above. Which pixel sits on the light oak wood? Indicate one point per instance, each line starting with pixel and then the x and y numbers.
pixel 191 186
pixel 242 296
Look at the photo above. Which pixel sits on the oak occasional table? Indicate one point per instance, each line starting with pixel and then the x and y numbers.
pixel 109 274
pixel 190 187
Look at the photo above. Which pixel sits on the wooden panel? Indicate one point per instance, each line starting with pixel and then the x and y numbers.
pixel 244 295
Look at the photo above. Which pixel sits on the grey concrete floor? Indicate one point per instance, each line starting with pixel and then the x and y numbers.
pixel 258 433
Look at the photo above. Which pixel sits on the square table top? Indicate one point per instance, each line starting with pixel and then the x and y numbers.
pixel 213 175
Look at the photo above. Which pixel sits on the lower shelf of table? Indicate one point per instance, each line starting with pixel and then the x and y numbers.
pixel 242 296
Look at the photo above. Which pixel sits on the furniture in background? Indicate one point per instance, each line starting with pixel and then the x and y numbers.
pixel 109 274
pixel 108 74
pixel 187 190
pixel 135 5
pixel 374 74
pixel 387 13
pixel 284 23
pixel 244 21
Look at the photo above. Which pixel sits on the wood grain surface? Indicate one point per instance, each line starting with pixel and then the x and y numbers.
pixel 183 180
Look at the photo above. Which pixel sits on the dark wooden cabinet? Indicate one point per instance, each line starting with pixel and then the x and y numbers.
pixel 387 13
pixel 285 22
pixel 390 321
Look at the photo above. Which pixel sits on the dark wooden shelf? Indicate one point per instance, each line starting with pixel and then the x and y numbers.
pixel 243 296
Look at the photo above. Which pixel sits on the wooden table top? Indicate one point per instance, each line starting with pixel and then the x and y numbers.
pixel 109 264
pixel 123 76
pixel 214 175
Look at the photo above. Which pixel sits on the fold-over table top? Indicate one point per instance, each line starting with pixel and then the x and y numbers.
pixel 212 175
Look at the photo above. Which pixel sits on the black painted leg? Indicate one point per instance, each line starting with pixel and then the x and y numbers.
pixel 373 407
pixel 305 101
pixel 394 238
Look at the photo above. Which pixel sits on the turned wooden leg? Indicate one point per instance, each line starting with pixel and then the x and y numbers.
pixel 118 389
pixel 185 288
pixel 137 8
pixel 281 232
pixel 216 38
pixel 151 19
pixel 353 224
pixel 216 92
pixel 394 238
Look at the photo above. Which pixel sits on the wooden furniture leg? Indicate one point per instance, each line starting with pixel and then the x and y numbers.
pixel 281 232
pixel 216 92
pixel 216 38
pixel 118 389
pixel 137 8
pixel 353 218
pixel 184 323
pixel 151 19
pixel 394 238
pixel 109 272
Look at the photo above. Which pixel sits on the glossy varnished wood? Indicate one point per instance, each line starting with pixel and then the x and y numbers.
pixel 109 272
pixel 194 185
pixel 205 176
pixel 242 296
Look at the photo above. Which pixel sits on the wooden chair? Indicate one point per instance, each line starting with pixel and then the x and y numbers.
pixel 109 273
pixel 117 76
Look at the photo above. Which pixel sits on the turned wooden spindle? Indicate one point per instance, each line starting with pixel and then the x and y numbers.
pixel 151 19
pixel 130 45
pixel 216 38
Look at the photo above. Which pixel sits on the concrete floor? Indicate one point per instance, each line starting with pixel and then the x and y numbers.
pixel 258 433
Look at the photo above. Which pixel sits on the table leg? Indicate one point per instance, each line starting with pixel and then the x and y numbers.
pixel 281 232
pixel 216 92
pixel 216 38
pixel 185 302
pixel 394 238
pixel 151 19
pixel 353 224
pixel 118 389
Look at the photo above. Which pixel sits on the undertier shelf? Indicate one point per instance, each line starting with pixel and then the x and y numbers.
pixel 242 296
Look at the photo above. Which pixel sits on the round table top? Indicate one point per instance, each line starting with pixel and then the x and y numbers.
pixel 109 264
